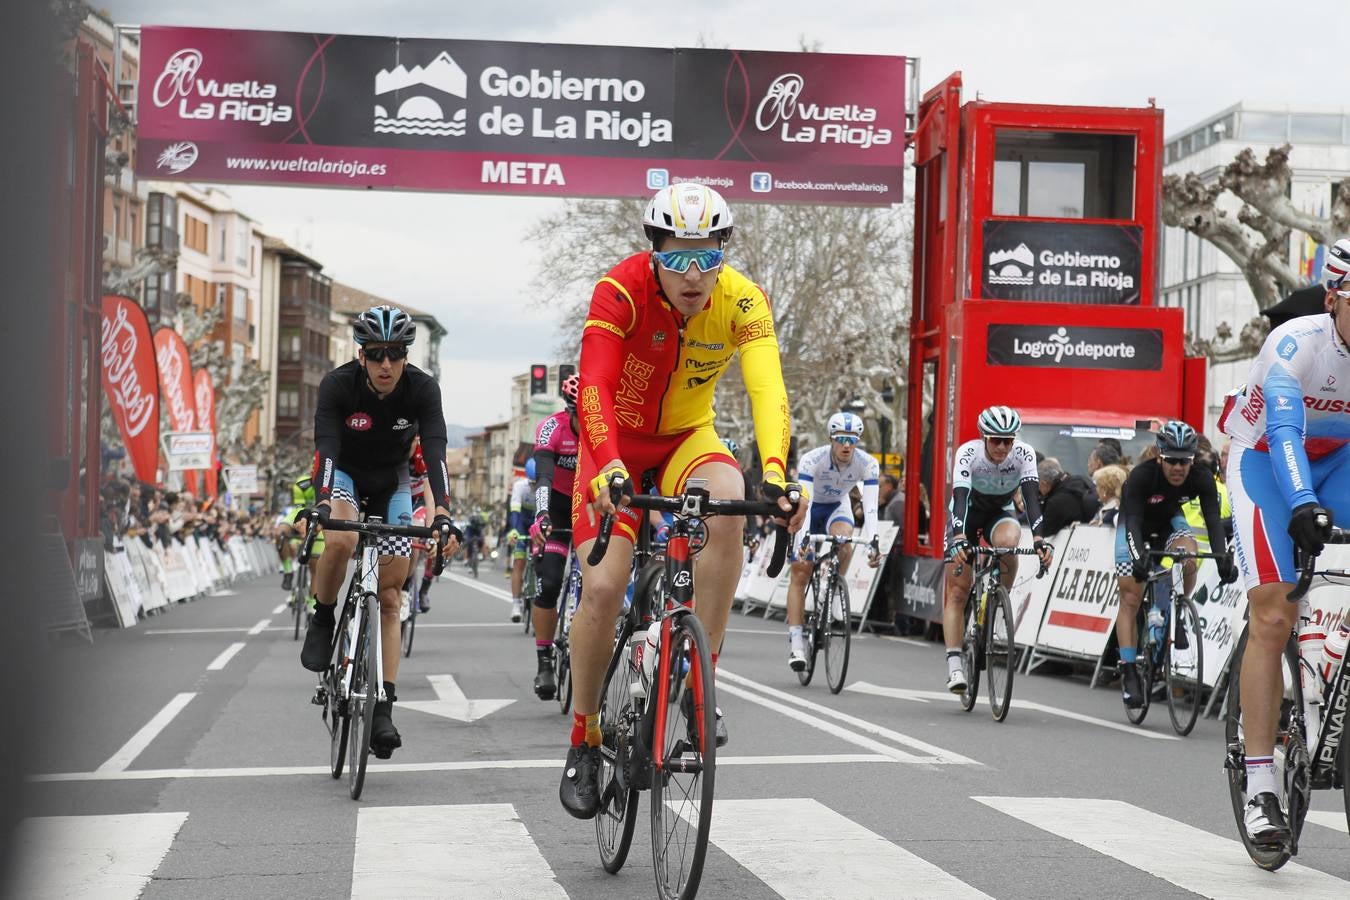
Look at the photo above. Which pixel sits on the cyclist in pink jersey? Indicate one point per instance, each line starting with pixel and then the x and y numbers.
pixel 555 462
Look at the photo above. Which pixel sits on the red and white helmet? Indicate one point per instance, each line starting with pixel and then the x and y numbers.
pixel 687 210
pixel 1336 267
pixel 569 388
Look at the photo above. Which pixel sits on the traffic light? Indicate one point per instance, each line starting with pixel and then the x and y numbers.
pixel 565 371
pixel 538 379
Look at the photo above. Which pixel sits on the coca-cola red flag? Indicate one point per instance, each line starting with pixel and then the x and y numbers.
pixel 129 381
pixel 205 394
pixel 175 387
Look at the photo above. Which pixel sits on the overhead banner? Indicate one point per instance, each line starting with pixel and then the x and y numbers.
pixel 130 381
pixel 1068 262
pixel 204 396
pixel 267 107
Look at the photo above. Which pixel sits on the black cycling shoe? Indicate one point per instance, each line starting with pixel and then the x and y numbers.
pixel 545 682
pixel 318 643
pixel 579 790
pixel 424 601
pixel 384 737
pixel 287 580
pixel 720 735
pixel 721 730
pixel 1131 686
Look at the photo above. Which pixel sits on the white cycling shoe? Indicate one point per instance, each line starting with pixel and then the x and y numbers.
pixel 517 609
pixel 956 682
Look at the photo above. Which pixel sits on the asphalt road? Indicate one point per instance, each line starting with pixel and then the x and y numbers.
pixel 187 761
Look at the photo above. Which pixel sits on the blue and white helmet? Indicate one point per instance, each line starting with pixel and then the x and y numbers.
pixel 1000 421
pixel 384 325
pixel 845 423
pixel 1336 267
pixel 1177 439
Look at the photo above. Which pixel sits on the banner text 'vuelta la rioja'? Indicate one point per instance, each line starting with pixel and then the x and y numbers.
pixel 289 108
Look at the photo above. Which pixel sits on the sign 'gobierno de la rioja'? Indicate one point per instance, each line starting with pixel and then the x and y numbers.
pixel 1065 262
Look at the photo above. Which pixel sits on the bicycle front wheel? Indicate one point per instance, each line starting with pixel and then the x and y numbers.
pixel 1143 664
pixel 837 633
pixel 365 685
pixel 407 628
pixel 812 634
pixel 1291 758
pixel 562 659
pixel 1184 667
pixel 336 712
pixel 685 756
pixel 970 653
pixel 1000 655
pixel 617 817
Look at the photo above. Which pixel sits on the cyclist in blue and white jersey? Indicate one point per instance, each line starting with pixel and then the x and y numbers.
pixel 1289 478
pixel 988 471
pixel 827 474
pixel 518 538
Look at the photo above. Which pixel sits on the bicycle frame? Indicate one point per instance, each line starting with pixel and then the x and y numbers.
pixel 366 579
pixel 678 600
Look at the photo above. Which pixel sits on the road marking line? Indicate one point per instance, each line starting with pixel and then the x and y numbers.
pixel 782 842
pixel 456 766
pixel 220 630
pixel 863 687
pixel 108 857
pixel 913 642
pixel 936 753
pixel 258 629
pixel 141 739
pixel 1334 821
pixel 225 656
pixel 763 631
pixel 477 585
pixel 421 851
pixel 1186 856
pixel 281 608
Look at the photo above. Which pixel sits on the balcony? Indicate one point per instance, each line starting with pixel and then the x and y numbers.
pixel 160 237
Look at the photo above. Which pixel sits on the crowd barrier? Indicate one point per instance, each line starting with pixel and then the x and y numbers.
pixel 143 579
pixel 1070 613
pixel 757 591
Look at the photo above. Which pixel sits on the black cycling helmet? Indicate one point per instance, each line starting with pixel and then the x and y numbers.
pixel 1177 439
pixel 384 325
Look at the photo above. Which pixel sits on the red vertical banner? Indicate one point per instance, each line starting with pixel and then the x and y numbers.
pixel 129 381
pixel 175 387
pixel 205 395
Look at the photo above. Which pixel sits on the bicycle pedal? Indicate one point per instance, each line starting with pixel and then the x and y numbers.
pixel 320 697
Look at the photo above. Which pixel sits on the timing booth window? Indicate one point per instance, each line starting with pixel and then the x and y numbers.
pixel 1063 175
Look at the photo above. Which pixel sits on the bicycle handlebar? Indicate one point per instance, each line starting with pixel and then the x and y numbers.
pixel 374 529
pixel 1183 554
pixel 1306 564
pixel 995 552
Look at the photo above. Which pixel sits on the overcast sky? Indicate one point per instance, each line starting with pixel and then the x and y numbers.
pixel 464 257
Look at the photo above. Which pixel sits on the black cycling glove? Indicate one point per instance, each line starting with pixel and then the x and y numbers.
pixel 1228 572
pixel 1309 534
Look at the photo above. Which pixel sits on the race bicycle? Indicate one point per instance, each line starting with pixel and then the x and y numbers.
pixel 1310 745
pixel 658 717
pixel 828 621
pixel 987 642
pixel 352 683
pixel 1170 655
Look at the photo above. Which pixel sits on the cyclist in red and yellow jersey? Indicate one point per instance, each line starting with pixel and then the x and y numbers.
pixel 662 328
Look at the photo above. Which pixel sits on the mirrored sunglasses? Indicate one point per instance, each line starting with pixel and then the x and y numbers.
pixel 845 439
pixel 1177 460
pixel 679 261
pixel 380 354
pixel 1001 441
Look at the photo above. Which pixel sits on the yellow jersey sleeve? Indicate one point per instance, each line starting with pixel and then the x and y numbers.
pixel 757 343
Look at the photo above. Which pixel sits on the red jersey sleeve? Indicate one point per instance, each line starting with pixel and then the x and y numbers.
pixel 611 317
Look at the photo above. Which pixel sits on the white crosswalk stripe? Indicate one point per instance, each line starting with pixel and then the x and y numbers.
pixel 91 857
pixel 470 851
pixel 1188 857
pixel 802 848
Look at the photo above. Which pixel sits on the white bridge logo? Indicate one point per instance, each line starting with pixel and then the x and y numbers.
pixel 422 111
pixel 1016 266
pixel 177 157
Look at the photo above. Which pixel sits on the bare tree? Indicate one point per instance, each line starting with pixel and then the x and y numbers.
pixel 838 279
pixel 1256 238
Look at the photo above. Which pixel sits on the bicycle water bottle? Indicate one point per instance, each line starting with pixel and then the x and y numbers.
pixel 633 660
pixel 1156 624
pixel 651 651
pixel 1333 651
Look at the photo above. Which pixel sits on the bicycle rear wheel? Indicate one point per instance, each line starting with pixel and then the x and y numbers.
pixel 1000 655
pixel 682 788
pixel 298 599
pixel 1184 669
pixel 970 651
pixel 562 659
pixel 836 630
pixel 812 634
pixel 1290 758
pixel 365 686
pixel 407 628
pixel 1143 661
pixel 528 587
pixel 618 797
pixel 336 712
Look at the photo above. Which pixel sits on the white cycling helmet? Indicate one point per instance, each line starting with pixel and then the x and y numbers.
pixel 687 210
pixel 845 423
pixel 1336 267
pixel 1000 421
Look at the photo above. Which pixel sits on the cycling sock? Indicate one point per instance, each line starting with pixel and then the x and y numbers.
pixel 1129 654
pixel 795 633
pixel 286 566
pixel 389 693
pixel 1260 775
pixel 586 729
pixel 954 660
pixel 324 612
pixel 714 661
pixel 542 647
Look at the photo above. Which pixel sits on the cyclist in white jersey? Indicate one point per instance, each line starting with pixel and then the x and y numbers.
pixel 988 471
pixel 1288 471
pixel 518 538
pixel 828 473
